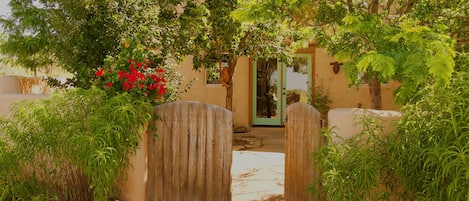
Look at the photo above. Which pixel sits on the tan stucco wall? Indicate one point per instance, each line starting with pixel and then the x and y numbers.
pixel 215 94
pixel 10 84
pixel 339 92
pixel 133 187
pixel 336 84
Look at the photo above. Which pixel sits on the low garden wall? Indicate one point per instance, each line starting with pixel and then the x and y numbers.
pixel 11 91
pixel 345 121
pixel 10 84
pixel 9 98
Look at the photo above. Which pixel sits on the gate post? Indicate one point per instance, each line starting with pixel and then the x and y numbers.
pixel 190 160
pixel 302 137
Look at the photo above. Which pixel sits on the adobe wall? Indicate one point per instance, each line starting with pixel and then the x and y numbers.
pixel 345 121
pixel 336 85
pixel 343 96
pixel 11 92
pixel 216 93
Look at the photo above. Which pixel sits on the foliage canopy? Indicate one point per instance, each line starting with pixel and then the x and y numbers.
pixel 76 35
pixel 407 41
pixel 211 34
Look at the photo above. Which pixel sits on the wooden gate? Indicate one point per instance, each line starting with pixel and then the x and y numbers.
pixel 302 137
pixel 190 160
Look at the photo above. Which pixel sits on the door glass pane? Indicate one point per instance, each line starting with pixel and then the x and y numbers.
pixel 297 81
pixel 267 97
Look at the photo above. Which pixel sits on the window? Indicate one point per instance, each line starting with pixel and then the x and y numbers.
pixel 214 75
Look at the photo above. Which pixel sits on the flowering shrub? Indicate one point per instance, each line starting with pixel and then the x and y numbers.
pixel 131 72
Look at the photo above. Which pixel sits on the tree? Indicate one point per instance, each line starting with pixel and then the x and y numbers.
pixel 75 35
pixel 383 40
pixel 224 38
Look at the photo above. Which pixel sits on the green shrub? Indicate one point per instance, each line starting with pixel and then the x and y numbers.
pixel 431 149
pixel 353 169
pixel 426 157
pixel 320 100
pixel 71 146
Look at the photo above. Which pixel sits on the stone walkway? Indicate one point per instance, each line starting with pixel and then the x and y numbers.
pixel 258 165
pixel 265 139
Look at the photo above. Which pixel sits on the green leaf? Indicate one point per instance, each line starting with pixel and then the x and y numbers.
pixel 382 64
pixel 440 67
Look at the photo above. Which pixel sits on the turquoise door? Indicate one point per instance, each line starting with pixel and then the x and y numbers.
pixel 277 85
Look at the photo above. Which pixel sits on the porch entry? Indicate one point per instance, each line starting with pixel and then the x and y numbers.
pixel 277 85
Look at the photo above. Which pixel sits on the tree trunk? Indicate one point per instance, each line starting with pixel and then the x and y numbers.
pixel 229 84
pixel 373 82
pixel 375 92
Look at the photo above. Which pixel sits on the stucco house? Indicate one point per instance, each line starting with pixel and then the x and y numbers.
pixel 264 88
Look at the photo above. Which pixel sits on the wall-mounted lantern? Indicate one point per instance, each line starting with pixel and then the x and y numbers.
pixel 336 66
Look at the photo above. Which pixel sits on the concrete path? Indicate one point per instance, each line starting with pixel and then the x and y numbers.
pixel 258 165
pixel 257 175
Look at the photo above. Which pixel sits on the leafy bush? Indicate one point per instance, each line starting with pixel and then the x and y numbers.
pixel 431 149
pixel 425 158
pixel 72 146
pixel 138 71
pixel 133 72
pixel 320 100
pixel 354 168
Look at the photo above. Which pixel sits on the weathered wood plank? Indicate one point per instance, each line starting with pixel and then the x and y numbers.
pixel 209 156
pixel 191 158
pixel 183 144
pixel 200 165
pixel 302 137
pixel 227 149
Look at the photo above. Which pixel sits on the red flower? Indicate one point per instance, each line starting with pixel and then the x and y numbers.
pixel 133 70
pixel 132 78
pixel 135 78
pixel 154 77
pixel 141 76
pixel 121 74
pixel 126 86
pixel 156 86
pixel 139 64
pixel 161 90
pixel 100 72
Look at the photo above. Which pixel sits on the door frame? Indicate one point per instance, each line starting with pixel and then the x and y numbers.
pixel 281 89
pixel 283 109
pixel 264 121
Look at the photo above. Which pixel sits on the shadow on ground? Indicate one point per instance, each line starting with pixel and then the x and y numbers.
pixel 272 198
